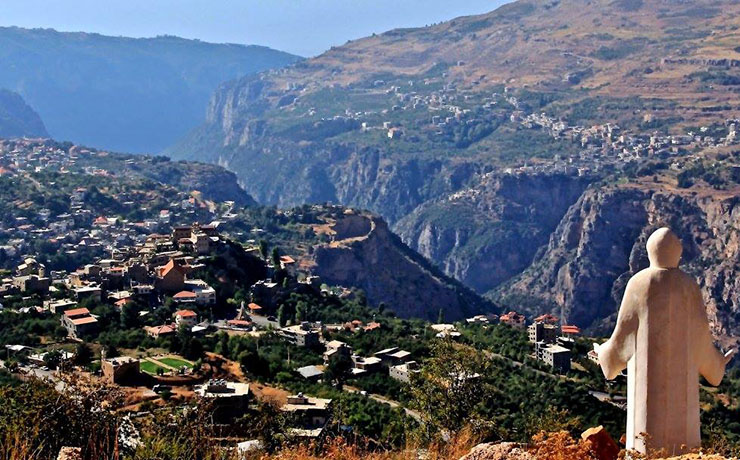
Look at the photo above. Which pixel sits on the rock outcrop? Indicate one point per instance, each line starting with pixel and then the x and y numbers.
pixel 365 254
pixel 486 234
pixel 599 244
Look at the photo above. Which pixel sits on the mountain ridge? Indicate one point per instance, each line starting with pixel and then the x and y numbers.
pixel 120 93
pixel 404 123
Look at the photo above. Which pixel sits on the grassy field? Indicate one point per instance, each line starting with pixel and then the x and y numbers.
pixel 175 362
pixel 150 368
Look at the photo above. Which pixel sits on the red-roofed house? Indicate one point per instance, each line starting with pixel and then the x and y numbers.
pixel 171 277
pixel 546 318
pixel 570 330
pixel 254 309
pixel 240 324
pixel 160 331
pixel 119 304
pixel 514 319
pixel 79 322
pixel 186 317
pixel 185 297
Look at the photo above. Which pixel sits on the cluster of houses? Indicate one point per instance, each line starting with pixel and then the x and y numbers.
pixel 396 362
pixel 145 274
pixel 80 229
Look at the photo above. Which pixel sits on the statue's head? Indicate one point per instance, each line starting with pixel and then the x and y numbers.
pixel 664 248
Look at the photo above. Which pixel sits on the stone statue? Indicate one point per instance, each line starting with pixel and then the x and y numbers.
pixel 662 338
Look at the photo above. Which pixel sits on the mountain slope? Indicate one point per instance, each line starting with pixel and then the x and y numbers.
pixel 365 254
pixel 125 94
pixel 413 123
pixel 18 119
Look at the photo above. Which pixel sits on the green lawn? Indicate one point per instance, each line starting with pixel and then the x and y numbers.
pixel 175 363
pixel 150 368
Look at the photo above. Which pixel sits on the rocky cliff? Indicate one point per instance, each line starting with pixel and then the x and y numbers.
pixel 18 119
pixel 600 243
pixel 485 234
pixel 365 254
pixel 325 129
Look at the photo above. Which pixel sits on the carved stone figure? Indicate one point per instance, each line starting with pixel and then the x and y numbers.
pixel 662 338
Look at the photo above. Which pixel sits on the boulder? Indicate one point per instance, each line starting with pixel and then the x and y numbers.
pixel 602 444
pixel 498 451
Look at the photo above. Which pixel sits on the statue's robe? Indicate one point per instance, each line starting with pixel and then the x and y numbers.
pixel 662 337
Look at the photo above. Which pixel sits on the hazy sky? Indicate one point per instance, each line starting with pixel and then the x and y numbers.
pixel 305 27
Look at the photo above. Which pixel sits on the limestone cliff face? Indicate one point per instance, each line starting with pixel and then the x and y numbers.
pixel 490 232
pixel 365 254
pixel 600 243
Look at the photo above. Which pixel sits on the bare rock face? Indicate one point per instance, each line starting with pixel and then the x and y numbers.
pixel 599 245
pixel 365 254
pixel 501 451
pixel 488 233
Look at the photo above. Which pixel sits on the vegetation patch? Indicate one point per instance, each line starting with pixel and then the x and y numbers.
pixel 151 368
pixel 175 362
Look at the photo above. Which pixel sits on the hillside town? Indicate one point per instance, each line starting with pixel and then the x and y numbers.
pixel 155 281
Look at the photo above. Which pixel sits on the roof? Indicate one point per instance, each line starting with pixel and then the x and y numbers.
pixel 400 354
pixel 387 351
pixel 160 330
pixel 169 266
pixel 84 320
pixel 570 329
pixel 372 326
pixel 186 313
pixel 309 371
pixel 184 295
pixel 122 302
pixel 311 403
pixel 77 312
pixel 547 318
pixel 556 349
pixel 239 322
pixel 254 306
pixel 287 260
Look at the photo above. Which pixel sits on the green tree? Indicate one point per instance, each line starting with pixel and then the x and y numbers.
pixel 53 359
pixel 449 386
pixel 264 248
pixel 339 368
pixel 276 257
pixel 281 316
pixel 83 354
pixel 129 316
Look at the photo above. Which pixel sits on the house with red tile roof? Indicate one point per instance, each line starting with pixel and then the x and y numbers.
pixel 171 276
pixel 79 322
pixel 186 317
pixel 513 319
pixel 160 331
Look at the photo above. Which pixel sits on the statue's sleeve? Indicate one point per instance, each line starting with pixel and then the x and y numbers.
pixel 617 351
pixel 710 360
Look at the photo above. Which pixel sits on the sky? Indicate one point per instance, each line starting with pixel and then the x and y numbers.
pixel 303 27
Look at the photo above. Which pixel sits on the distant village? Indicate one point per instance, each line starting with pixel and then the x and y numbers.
pixel 450 108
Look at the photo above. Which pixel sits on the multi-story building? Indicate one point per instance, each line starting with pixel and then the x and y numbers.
pixel 302 335
pixel 403 372
pixel 120 370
